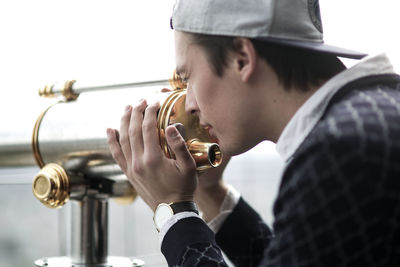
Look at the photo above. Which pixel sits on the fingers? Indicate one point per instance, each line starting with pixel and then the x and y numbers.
pixel 150 131
pixel 183 158
pixel 124 135
pixel 139 138
pixel 165 90
pixel 115 148
pixel 135 128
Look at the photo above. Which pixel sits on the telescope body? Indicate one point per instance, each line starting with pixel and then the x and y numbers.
pixel 73 133
pixel 68 141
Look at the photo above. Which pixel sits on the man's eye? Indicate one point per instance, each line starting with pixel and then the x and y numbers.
pixel 185 79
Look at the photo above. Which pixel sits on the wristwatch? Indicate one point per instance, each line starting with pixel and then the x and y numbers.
pixel 165 211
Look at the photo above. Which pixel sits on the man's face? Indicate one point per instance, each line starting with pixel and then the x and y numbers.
pixel 221 103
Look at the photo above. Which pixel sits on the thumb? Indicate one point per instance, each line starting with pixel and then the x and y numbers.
pixel 179 148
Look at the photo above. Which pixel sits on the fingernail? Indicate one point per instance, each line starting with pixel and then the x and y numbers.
pixel 108 131
pixel 128 108
pixel 172 132
pixel 181 129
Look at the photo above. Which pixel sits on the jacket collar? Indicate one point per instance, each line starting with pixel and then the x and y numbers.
pixel 308 115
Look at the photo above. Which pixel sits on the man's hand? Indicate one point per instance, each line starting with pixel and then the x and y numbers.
pixel 136 149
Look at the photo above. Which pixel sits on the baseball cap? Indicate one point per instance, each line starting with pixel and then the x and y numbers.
pixel 295 23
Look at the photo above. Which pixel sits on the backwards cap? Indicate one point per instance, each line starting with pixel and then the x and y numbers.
pixel 294 23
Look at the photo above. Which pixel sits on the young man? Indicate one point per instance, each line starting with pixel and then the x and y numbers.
pixel 259 70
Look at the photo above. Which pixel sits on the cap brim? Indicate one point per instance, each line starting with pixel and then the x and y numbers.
pixel 315 46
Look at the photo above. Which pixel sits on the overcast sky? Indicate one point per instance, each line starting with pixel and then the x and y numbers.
pixel 44 41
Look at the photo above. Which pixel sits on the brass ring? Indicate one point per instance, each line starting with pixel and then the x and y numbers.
pixel 46 91
pixel 176 82
pixel 67 91
pixel 35 138
pixel 163 119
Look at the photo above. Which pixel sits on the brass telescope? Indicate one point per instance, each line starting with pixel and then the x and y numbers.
pixel 68 142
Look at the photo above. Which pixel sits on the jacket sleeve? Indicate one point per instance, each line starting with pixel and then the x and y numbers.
pixel 244 236
pixel 190 242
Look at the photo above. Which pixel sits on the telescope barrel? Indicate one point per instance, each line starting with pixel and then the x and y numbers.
pixel 68 139
pixel 16 147
pixel 72 133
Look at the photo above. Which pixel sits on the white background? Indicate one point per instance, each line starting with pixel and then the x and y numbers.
pixel 45 41
pixel 107 42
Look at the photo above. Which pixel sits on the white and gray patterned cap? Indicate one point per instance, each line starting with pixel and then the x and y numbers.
pixel 286 22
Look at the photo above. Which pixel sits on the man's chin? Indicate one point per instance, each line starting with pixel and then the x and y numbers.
pixel 232 150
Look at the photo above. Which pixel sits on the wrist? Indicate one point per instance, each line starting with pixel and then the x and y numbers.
pixel 165 211
pixel 170 200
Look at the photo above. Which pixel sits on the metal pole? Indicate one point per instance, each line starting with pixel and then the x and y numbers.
pixel 79 87
pixel 89 233
pixel 89 237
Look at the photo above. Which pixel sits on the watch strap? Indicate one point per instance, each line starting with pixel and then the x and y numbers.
pixel 183 206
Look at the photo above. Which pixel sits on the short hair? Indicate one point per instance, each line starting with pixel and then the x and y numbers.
pixel 296 67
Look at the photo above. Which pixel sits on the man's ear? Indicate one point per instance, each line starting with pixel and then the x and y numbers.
pixel 245 58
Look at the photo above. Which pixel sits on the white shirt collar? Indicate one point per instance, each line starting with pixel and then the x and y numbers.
pixel 312 110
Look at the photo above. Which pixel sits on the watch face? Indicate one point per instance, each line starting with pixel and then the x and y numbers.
pixel 162 214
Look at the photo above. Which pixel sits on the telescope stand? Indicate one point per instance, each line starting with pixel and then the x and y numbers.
pixel 89 238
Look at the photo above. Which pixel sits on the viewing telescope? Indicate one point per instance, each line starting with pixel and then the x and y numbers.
pixel 68 142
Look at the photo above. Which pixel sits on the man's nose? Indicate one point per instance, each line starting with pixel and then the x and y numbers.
pixel 190 104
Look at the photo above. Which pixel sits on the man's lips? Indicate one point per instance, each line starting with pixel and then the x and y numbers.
pixel 210 132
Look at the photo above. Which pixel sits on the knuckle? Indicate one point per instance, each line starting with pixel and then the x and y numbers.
pixel 153 108
pixel 138 108
pixel 123 139
pixel 137 168
pixel 190 169
pixel 118 157
pixel 131 130
pixel 150 161
pixel 148 126
pixel 124 118
pixel 180 145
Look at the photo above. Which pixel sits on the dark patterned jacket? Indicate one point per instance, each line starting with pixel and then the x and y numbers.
pixel 339 199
